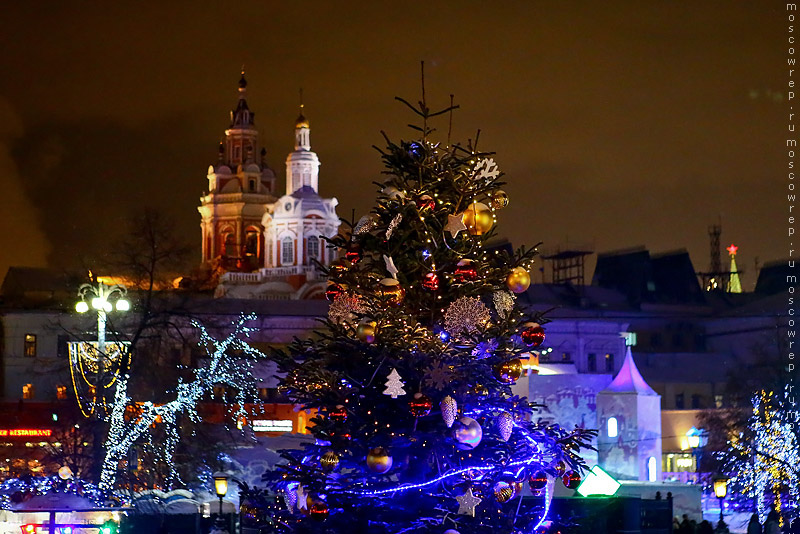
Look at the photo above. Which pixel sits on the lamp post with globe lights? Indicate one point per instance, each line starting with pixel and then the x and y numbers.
pixel 103 299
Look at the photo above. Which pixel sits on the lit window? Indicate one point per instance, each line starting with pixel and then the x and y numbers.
pixel 61 392
pixel 27 391
pixel 287 255
pixel 313 248
pixel 718 401
pixel 229 243
pixel 30 345
pixel 652 470
pixel 251 243
pixel 609 363
pixel 612 427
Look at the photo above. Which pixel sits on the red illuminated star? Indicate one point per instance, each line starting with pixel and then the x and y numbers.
pixel 732 249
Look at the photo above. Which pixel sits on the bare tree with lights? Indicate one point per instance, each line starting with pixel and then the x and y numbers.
pixel 417 428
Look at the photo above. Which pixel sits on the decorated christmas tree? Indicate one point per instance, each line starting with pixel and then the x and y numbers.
pixel 417 428
pixel 764 459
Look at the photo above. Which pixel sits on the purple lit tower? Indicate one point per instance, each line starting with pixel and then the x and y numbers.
pixel 629 415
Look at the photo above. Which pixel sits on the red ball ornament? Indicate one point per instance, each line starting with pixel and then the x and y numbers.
pixel 537 481
pixel 425 202
pixel 431 281
pixel 333 291
pixel 339 267
pixel 420 405
pixel 353 254
pixel 466 271
pixel 318 510
pixel 571 480
pixel 532 334
pixel 345 436
pixel 338 414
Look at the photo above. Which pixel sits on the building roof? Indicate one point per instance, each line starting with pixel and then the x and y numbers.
pixel 667 278
pixel 37 287
pixel 629 380
pixel 772 278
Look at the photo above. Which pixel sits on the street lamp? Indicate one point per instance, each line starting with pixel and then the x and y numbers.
pixel 100 296
pixel 693 438
pixel 721 490
pixel 221 488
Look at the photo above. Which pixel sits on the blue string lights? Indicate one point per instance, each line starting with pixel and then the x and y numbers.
pixel 221 369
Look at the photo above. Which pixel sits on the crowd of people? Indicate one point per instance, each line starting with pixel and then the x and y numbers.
pixel 772 525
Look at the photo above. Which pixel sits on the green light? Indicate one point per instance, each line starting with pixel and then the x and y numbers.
pixel 598 482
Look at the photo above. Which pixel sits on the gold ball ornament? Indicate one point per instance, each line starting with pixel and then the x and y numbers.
pixel 478 218
pixel 391 291
pixel 378 460
pixel 508 372
pixel 329 461
pixel 518 280
pixel 503 492
pixel 366 331
pixel 339 267
pixel 499 199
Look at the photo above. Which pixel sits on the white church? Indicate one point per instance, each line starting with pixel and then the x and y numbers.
pixel 268 246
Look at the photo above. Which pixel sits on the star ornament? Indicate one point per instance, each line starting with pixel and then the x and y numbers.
pixel 455 224
pixel 732 249
pixel 467 503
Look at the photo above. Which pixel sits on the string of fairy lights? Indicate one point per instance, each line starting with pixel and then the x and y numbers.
pixel 768 453
pixel 222 369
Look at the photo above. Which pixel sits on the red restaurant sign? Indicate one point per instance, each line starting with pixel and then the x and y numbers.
pixel 25 432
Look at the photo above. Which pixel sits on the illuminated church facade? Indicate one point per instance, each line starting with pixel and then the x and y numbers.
pixel 268 246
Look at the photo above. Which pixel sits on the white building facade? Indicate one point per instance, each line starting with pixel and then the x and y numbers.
pixel 268 247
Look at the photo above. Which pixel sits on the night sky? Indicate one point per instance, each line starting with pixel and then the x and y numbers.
pixel 617 123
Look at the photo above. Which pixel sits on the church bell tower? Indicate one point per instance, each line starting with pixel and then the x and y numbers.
pixel 240 186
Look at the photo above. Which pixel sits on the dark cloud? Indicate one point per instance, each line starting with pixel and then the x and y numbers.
pixel 626 122
pixel 21 239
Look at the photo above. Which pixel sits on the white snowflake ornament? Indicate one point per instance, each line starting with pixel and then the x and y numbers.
pixel 486 169
pixel 438 376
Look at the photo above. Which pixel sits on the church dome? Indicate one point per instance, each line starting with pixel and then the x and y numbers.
pixel 302 122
